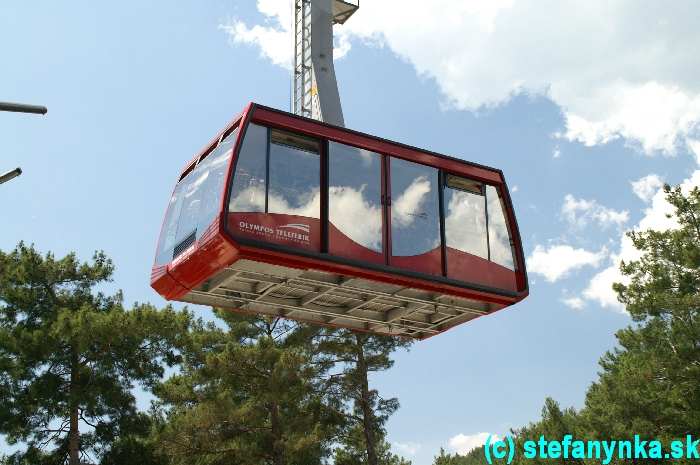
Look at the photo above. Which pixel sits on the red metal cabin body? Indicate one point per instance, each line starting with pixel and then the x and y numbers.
pixel 286 216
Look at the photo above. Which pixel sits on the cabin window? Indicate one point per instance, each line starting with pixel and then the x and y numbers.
pixel 276 190
pixel 415 217
pixel 355 203
pixel 465 216
pixel 249 183
pixel 295 176
pixel 500 243
pixel 195 202
pixel 476 233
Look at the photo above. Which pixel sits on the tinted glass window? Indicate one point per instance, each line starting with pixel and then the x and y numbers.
pixel 295 176
pixel 354 200
pixel 216 165
pixel 499 237
pixel 465 216
pixel 195 200
pixel 415 224
pixel 248 190
pixel 167 235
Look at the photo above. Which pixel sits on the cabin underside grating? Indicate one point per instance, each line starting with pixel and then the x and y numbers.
pixel 332 299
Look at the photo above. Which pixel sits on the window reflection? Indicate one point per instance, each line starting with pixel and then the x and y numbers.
pixel 211 188
pixel 294 186
pixel 415 224
pixel 167 236
pixel 195 200
pixel 499 237
pixel 354 198
pixel 202 192
pixel 465 219
pixel 248 190
pixel 295 176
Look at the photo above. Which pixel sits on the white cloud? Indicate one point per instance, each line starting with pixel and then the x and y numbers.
pixel 556 153
pixel 581 212
pixel 355 216
pixel 655 217
pixel 694 146
pixel 463 444
pixel 646 187
pixel 273 40
pixel 655 115
pixel 558 261
pixel 408 205
pixel 466 215
pixel 633 75
pixel 407 448
pixel 600 287
pixel 576 303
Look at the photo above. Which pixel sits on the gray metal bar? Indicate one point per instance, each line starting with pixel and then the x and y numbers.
pixel 10 175
pixel 23 108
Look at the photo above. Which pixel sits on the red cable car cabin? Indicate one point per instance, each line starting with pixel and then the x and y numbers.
pixel 286 216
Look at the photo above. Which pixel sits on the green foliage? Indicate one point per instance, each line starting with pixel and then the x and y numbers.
pixel 253 393
pixel 259 391
pixel 354 450
pixel 554 424
pixel 649 385
pixel 137 444
pixel 33 456
pixel 69 355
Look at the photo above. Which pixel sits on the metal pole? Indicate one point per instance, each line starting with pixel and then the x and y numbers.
pixel 19 108
pixel 10 175
pixel 315 92
pixel 22 108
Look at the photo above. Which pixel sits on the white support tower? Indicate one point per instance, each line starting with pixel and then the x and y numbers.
pixel 315 89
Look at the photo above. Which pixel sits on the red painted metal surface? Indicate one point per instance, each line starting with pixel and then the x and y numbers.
pixel 216 248
pixel 340 245
pixel 472 269
pixel 429 262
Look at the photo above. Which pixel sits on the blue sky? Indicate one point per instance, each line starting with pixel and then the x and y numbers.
pixel 134 89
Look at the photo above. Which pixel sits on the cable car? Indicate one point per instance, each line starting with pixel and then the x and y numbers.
pixel 286 216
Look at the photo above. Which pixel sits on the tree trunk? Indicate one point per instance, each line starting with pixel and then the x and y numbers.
pixel 367 413
pixel 74 432
pixel 277 447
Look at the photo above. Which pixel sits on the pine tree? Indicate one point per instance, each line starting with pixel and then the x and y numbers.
pixel 650 384
pixel 138 445
pixel 554 425
pixel 69 356
pixel 354 449
pixel 359 355
pixel 251 393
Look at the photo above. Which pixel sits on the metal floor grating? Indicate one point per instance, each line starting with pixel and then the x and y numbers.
pixel 331 299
